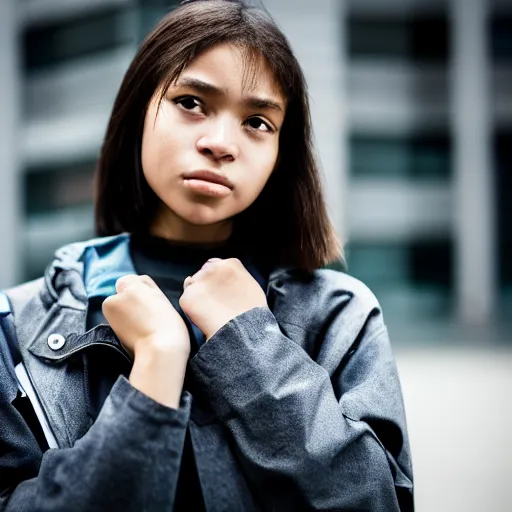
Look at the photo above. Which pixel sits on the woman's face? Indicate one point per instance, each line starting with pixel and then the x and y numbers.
pixel 210 148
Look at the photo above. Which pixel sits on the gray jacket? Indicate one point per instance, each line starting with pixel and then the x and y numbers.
pixel 292 407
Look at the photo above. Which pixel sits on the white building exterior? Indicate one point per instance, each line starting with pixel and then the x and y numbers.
pixel 55 114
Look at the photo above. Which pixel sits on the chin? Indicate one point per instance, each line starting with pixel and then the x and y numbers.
pixel 203 215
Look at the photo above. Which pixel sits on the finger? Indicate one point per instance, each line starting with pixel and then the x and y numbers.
pixel 188 281
pixel 209 262
pixel 125 281
pixel 147 280
pixel 236 262
pixel 108 304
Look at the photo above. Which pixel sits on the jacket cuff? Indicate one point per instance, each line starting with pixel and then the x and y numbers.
pixel 246 359
pixel 123 394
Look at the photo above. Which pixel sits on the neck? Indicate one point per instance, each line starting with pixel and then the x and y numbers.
pixel 176 229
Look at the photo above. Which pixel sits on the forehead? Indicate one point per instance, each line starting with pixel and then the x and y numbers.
pixel 238 70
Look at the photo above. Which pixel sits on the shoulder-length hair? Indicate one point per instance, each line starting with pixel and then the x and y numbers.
pixel 288 223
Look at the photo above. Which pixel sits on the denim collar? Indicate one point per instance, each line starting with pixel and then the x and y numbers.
pixel 105 260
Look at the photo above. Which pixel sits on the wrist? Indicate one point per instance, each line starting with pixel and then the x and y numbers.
pixel 159 373
pixel 157 346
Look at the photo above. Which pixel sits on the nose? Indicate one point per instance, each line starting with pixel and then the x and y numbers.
pixel 218 142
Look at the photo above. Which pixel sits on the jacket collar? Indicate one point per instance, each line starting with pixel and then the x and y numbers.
pixel 100 262
pixel 85 270
pixel 104 263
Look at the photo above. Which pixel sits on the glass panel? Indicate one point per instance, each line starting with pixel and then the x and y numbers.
pixel 62 41
pixel 44 233
pixel 503 155
pixel 49 189
pixel 410 279
pixel 416 39
pixel 501 38
pixel 415 263
pixel 98 32
pixel 58 204
pixel 414 157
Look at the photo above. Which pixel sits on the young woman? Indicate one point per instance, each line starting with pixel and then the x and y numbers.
pixel 195 357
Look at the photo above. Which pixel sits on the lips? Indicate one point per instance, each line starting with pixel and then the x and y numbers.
pixel 210 177
pixel 207 184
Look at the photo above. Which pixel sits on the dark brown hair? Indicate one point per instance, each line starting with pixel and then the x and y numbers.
pixel 288 223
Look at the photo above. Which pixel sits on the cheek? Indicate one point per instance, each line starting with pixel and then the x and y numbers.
pixel 147 153
pixel 150 149
pixel 262 165
pixel 159 150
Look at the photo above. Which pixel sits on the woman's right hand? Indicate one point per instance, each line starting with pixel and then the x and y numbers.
pixel 151 329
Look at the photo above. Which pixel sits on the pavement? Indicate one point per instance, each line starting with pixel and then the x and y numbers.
pixel 459 413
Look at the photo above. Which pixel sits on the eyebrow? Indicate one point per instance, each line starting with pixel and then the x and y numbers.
pixel 207 88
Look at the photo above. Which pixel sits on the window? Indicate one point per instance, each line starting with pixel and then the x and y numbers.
pixel 62 41
pixel 501 38
pixel 58 210
pixel 414 263
pixel 412 279
pixel 503 183
pixel 62 187
pixel 412 157
pixel 416 39
pixel 103 30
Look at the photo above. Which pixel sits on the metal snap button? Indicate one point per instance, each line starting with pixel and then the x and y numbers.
pixel 56 341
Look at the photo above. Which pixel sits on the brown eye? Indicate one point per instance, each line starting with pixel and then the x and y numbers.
pixel 188 102
pixel 256 123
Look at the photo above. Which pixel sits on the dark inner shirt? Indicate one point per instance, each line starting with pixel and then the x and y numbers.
pixel 169 263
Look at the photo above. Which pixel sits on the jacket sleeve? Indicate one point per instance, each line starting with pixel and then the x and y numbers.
pixel 309 438
pixel 129 459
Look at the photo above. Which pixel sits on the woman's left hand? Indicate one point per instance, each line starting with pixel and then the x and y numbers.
pixel 218 292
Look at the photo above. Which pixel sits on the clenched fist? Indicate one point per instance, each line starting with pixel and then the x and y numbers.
pixel 218 292
pixel 141 315
pixel 151 329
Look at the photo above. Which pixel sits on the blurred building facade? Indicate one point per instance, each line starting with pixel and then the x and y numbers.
pixel 412 110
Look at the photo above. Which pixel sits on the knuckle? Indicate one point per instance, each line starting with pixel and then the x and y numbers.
pixel 130 292
pixel 186 297
pixel 207 269
pixel 124 281
pixel 108 304
pixel 234 264
pixel 183 300
pixel 146 279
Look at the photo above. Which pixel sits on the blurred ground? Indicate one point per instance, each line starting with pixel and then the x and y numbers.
pixel 459 411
